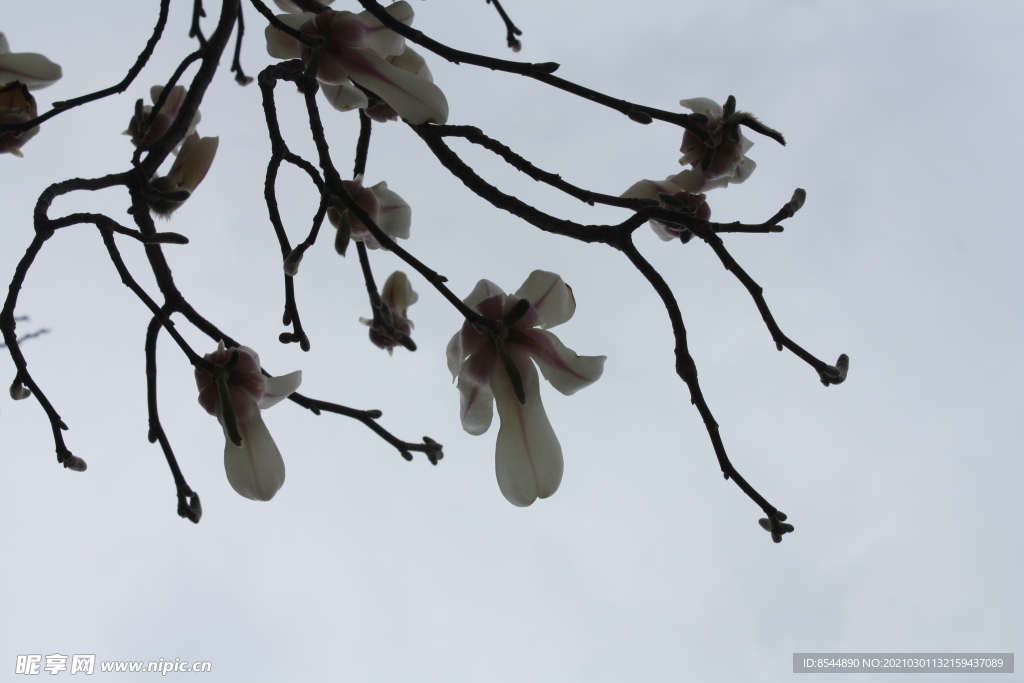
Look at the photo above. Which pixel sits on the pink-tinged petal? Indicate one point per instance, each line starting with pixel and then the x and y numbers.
pixel 549 296
pixel 255 469
pixel 743 170
pixel 564 368
pixel 527 457
pixel 374 36
pixel 650 189
pixel 465 343
pixel 484 289
pixel 413 98
pixel 704 105
pixel 281 45
pixel 34 70
pixel 395 216
pixel 344 96
pixel 279 388
pixel 476 401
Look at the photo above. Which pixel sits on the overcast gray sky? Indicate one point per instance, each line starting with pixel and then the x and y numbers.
pixel 903 483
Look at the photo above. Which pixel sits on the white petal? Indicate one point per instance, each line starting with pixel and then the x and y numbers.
pixel 255 469
pixel 280 44
pixel 527 456
pixel 413 98
pixel 34 70
pixel 279 388
pixel 395 215
pixel 564 368
pixel 692 181
pixel 484 289
pixel 549 296
pixel 649 189
pixel 704 105
pixel 374 36
pixel 413 62
pixel 476 401
pixel 344 96
pixel 454 354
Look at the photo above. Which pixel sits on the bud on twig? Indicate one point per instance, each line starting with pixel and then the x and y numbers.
pixel 19 391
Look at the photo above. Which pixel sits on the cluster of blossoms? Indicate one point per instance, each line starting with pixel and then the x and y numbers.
pixel 357 54
pixel 20 73
pixel 685 190
pixel 389 211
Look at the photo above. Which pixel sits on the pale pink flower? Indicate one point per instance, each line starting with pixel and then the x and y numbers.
pixel 164 118
pixel 397 295
pixel 34 70
pixel 389 211
pixel 528 457
pixel 357 49
pixel 252 461
pixel 677 198
pixel 729 164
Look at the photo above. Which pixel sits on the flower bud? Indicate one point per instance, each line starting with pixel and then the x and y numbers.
pixel 16 106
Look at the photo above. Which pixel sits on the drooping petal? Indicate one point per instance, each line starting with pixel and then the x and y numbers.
pixel 34 70
pixel 395 216
pixel 255 469
pixel 564 368
pixel 413 98
pixel 279 388
pixel 549 296
pixel 527 457
pixel 281 45
pixel 344 96
pixel 476 400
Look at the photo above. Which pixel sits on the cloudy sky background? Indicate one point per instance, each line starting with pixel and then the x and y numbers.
pixel 903 483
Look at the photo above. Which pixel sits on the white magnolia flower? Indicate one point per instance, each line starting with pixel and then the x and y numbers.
pixel 397 295
pixel 654 189
pixel 164 118
pixel 528 457
pixel 34 70
pixel 729 164
pixel 357 50
pixel 253 464
pixel 389 211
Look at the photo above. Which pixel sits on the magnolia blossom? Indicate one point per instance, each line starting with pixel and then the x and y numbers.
pixel 189 169
pixel 164 118
pixel 528 457
pixel 386 208
pixel 253 464
pixel 670 196
pixel 33 70
pixel 728 165
pixel 396 297
pixel 410 61
pixel 356 50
